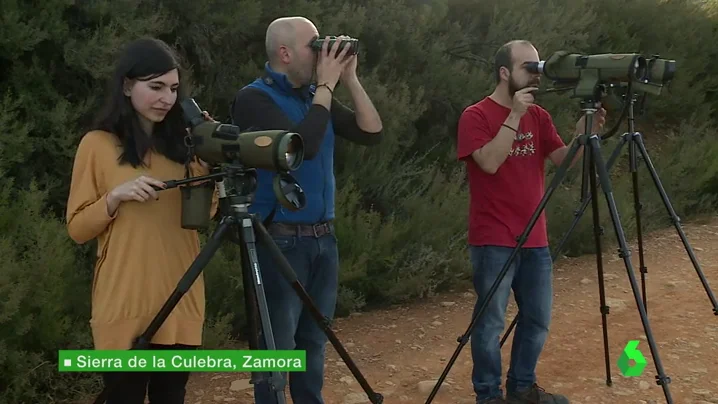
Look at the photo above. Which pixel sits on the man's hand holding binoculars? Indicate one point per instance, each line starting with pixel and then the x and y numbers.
pixel 332 64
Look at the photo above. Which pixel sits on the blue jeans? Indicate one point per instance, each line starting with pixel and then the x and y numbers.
pixel 316 263
pixel 530 276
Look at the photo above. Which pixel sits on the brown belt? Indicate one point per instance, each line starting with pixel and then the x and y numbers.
pixel 303 230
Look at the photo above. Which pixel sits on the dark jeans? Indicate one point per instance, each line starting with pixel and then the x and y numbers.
pixel 160 387
pixel 530 276
pixel 316 263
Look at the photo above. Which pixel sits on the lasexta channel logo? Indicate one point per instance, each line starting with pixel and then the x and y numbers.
pixel 631 352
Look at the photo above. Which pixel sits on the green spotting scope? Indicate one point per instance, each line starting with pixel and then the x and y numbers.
pixel 353 44
pixel 586 72
pixel 217 143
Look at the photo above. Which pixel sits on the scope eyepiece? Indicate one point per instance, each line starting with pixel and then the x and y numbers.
pixel 535 67
pixel 293 145
pixel 192 112
pixel 640 69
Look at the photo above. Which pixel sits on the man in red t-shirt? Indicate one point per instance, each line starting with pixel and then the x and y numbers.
pixel 504 141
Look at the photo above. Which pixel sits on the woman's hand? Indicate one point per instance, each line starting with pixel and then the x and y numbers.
pixel 203 164
pixel 139 189
pixel 207 117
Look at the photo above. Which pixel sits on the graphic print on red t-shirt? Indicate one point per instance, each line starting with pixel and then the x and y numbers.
pixel 502 204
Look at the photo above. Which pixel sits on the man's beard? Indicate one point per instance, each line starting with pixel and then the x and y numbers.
pixel 514 87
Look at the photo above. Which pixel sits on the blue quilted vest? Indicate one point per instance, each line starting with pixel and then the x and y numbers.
pixel 315 176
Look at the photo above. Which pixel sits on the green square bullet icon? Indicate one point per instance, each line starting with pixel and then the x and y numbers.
pixel 68 362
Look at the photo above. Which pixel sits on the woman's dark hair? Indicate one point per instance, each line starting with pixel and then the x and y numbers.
pixel 144 59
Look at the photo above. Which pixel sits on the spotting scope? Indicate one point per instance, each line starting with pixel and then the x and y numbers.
pixel 586 72
pixel 218 143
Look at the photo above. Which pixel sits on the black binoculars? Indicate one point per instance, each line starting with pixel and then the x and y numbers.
pixel 353 44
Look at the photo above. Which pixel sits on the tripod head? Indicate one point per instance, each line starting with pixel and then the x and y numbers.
pixel 236 185
pixel 236 190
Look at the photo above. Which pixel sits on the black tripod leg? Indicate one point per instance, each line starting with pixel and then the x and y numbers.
pixel 578 213
pixel 324 323
pixel 637 206
pixel 605 180
pixel 585 180
pixel 276 380
pixel 508 330
pixel 597 233
pixel 197 266
pixel 251 310
pixel 555 182
pixel 675 219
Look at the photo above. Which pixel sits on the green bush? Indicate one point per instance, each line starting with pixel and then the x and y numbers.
pixel 45 292
pixel 402 206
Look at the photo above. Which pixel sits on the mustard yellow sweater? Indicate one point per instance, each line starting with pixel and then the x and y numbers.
pixel 142 250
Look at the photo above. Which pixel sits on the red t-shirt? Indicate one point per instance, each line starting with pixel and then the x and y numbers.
pixel 501 204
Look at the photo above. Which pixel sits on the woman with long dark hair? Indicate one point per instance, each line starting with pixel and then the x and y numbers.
pixel 137 142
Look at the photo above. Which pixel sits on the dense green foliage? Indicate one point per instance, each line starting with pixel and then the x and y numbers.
pixel 402 206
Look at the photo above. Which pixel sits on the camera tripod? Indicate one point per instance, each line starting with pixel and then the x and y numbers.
pixel 636 150
pixel 246 229
pixel 593 166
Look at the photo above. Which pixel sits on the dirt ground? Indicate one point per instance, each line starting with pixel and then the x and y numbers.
pixel 402 351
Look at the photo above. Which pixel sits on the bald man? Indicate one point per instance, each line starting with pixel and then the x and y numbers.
pixel 296 93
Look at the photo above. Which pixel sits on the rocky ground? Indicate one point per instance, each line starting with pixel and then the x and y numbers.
pixel 403 350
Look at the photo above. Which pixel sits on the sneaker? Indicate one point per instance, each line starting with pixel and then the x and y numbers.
pixel 535 395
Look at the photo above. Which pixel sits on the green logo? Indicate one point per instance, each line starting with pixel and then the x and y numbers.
pixel 630 352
